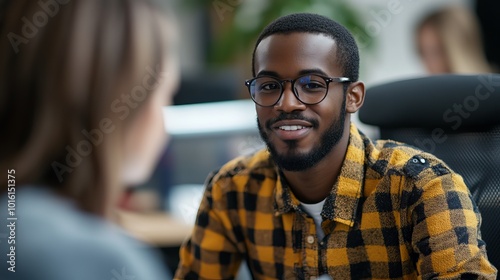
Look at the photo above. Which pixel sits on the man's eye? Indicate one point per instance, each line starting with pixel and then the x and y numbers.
pixel 313 86
pixel 310 83
pixel 269 86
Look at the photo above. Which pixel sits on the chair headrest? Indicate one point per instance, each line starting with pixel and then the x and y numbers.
pixel 448 101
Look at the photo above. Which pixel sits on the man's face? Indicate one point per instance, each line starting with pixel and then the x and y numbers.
pixel 298 135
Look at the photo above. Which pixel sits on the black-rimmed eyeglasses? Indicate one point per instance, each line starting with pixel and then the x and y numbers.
pixel 309 89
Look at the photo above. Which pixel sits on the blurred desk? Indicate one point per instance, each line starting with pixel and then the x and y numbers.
pixel 225 117
pixel 156 228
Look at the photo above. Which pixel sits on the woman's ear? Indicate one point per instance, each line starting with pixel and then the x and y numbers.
pixel 355 96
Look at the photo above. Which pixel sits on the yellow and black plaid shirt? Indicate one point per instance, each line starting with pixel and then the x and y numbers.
pixel 394 213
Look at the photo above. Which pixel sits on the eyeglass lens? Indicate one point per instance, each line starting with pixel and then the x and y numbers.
pixel 309 89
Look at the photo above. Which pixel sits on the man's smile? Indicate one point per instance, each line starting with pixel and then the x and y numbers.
pixel 293 129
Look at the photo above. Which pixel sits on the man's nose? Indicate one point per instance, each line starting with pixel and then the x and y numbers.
pixel 288 102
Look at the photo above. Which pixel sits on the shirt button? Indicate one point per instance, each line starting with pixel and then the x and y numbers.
pixel 310 239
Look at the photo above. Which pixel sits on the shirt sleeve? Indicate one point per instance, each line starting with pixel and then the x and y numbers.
pixel 446 228
pixel 214 249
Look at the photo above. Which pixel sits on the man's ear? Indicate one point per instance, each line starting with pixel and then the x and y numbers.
pixel 355 96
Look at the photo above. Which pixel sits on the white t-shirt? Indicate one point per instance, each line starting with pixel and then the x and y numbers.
pixel 314 210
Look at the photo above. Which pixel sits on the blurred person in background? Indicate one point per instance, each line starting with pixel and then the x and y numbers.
pixel 449 41
pixel 82 84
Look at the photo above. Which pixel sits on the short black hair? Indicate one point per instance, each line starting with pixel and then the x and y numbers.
pixel 347 49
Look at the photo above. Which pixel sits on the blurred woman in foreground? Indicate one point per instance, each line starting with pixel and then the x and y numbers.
pixel 82 83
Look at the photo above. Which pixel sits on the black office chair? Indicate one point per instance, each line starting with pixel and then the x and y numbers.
pixel 457 118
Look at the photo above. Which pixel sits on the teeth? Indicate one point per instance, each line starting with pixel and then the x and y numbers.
pixel 291 127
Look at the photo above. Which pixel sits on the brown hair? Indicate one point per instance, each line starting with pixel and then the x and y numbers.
pixel 66 66
pixel 461 38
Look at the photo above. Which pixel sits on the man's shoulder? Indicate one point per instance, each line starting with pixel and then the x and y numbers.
pixel 392 157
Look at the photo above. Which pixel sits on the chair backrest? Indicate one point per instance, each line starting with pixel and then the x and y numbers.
pixel 457 118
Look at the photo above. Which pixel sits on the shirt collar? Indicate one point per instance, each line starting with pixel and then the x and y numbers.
pixel 342 202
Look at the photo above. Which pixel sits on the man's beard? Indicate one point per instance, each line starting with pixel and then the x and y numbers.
pixel 294 161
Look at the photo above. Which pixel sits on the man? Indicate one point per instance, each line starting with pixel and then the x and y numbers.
pixel 323 198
